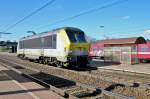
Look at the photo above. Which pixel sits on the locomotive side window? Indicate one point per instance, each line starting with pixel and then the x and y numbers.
pixel 50 42
pixel 47 42
pixel 32 43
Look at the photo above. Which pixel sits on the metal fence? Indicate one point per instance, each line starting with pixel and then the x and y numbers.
pixel 122 54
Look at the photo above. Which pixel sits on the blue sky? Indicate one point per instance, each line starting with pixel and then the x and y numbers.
pixel 128 19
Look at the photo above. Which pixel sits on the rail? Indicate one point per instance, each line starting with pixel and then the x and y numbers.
pixel 71 90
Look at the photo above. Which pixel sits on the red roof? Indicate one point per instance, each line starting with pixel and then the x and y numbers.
pixel 133 40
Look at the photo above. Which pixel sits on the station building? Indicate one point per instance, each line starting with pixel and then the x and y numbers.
pixel 122 50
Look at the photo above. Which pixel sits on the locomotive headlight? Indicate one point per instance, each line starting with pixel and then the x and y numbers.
pixel 70 51
pixel 67 50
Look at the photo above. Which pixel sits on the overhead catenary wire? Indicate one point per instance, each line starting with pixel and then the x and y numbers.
pixel 84 13
pixel 135 32
pixel 131 30
pixel 5 33
pixel 29 15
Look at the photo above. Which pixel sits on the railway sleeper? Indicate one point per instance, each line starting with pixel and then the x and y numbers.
pixel 88 91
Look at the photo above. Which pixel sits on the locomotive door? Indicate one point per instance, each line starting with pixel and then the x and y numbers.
pixel 42 44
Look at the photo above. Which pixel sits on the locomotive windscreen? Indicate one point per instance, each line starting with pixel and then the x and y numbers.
pixel 76 36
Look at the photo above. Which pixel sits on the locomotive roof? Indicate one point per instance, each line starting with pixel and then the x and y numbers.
pixel 72 28
pixel 49 32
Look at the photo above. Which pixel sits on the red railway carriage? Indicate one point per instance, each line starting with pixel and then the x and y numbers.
pixel 96 50
pixel 144 51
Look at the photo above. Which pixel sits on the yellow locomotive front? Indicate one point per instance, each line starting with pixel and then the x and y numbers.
pixel 76 46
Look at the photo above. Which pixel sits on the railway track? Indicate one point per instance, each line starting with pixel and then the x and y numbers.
pixel 114 82
pixel 65 87
pixel 121 76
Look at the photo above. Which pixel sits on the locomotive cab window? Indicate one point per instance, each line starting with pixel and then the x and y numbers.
pixel 76 36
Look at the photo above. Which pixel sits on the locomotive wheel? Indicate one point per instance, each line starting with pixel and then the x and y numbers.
pixel 45 61
pixel 21 56
pixel 41 61
pixel 58 64
pixel 65 64
pixel 36 61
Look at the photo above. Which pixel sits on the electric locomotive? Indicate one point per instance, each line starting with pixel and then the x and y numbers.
pixel 65 46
